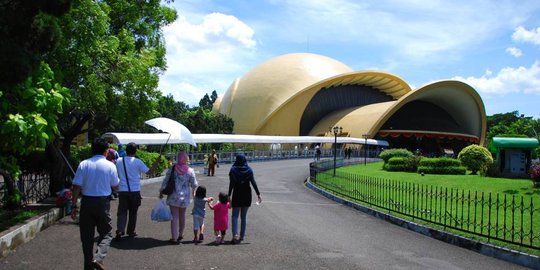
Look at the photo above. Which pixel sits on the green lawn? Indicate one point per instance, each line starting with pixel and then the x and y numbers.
pixel 467 182
pixel 10 218
pixel 469 205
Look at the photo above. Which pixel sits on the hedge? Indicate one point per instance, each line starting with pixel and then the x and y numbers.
pixel 441 166
pixel 397 152
pixel 439 162
pixel 442 170
pixel 401 164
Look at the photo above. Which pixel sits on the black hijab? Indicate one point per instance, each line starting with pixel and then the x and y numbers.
pixel 240 172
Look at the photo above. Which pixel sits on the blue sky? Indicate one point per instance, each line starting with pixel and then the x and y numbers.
pixel 492 45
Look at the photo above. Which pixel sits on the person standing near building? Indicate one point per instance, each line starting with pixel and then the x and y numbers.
pixel 212 161
pixel 93 181
pixel 241 179
pixel 129 191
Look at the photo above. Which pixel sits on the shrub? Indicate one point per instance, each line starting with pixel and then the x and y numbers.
pixel 397 152
pixel 534 173
pixel 402 164
pixel 475 158
pixel 441 166
pixel 149 158
pixel 442 170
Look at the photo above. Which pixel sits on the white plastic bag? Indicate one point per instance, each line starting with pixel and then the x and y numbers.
pixel 161 212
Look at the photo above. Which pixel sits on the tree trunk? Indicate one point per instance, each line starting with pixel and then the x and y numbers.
pixel 11 201
pixel 58 168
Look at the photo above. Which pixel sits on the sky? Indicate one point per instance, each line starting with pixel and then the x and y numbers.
pixel 494 46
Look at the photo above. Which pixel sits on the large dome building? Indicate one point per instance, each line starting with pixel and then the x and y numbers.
pixel 304 94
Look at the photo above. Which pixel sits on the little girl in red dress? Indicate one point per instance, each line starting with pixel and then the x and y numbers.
pixel 221 216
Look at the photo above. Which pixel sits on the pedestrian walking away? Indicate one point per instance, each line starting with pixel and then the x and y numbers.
pixel 221 216
pixel 93 181
pixel 241 179
pixel 184 184
pixel 199 212
pixel 129 191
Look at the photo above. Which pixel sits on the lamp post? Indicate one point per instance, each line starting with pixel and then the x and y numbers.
pixel 365 148
pixel 336 130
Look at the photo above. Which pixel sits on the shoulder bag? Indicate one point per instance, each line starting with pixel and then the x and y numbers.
pixel 169 189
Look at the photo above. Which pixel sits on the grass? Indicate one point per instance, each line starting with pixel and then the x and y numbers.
pixel 10 218
pixel 458 201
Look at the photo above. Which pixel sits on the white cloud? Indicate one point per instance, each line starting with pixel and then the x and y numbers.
pixel 416 30
pixel 205 56
pixel 516 52
pixel 523 35
pixel 507 80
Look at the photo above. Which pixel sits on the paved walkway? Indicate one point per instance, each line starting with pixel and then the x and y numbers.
pixel 294 228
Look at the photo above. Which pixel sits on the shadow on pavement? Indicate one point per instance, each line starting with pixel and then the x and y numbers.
pixel 139 243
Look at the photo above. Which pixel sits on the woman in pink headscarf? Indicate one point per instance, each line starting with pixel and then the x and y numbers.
pixel 178 201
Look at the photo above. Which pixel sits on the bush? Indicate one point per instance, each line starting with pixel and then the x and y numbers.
pixel 149 158
pixel 79 154
pixel 476 158
pixel 534 174
pixel 442 170
pixel 402 164
pixel 397 152
pixel 441 166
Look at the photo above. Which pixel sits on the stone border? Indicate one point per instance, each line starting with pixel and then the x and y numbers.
pixel 520 258
pixel 20 234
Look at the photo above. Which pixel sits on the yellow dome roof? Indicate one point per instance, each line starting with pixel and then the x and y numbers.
pixel 253 97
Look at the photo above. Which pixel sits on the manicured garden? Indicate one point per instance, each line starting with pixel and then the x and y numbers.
pixel 469 205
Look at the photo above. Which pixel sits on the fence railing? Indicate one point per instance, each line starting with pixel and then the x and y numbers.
pixel 34 187
pixel 508 218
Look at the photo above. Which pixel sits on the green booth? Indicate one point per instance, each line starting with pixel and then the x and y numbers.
pixel 513 155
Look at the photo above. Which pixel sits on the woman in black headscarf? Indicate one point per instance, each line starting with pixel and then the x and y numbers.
pixel 240 178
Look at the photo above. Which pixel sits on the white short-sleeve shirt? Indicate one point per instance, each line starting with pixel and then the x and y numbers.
pixel 96 176
pixel 134 168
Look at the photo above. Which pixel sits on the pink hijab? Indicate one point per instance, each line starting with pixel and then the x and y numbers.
pixel 181 166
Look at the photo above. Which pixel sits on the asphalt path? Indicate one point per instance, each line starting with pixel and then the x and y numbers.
pixel 293 228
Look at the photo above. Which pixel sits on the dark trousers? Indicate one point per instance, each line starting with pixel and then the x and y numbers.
pixel 211 169
pixel 128 205
pixel 95 213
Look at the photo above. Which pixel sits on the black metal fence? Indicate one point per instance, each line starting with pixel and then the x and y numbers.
pixel 508 218
pixel 33 186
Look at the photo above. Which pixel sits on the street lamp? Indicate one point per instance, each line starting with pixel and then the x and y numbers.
pixel 336 130
pixel 365 136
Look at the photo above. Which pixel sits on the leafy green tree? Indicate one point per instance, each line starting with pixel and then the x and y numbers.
pixel 170 108
pixel 29 113
pixel 110 56
pixel 475 158
pixel 30 98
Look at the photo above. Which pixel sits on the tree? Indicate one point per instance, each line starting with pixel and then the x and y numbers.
pixel 30 98
pixel 475 158
pixel 110 57
pixel 207 102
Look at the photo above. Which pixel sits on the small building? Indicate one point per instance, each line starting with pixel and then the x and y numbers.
pixel 513 155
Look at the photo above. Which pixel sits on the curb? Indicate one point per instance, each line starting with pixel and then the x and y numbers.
pixel 513 256
pixel 20 234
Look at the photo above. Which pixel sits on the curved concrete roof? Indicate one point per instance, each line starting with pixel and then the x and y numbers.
pixel 254 96
pixel 271 98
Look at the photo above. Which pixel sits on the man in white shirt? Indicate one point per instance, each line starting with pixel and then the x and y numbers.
pixel 93 181
pixel 129 170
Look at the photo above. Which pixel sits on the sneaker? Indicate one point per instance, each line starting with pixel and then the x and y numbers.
pixel 235 240
pixel 133 234
pixel 118 236
pixel 218 240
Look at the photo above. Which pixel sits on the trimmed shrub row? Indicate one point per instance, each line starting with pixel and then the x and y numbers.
pixel 441 166
pixel 401 164
pixel 387 154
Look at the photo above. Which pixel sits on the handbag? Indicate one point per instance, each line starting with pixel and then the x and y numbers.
pixel 169 188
